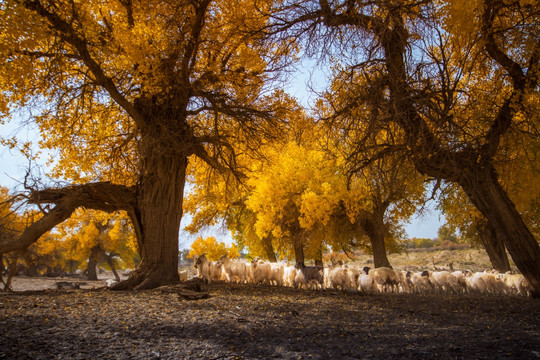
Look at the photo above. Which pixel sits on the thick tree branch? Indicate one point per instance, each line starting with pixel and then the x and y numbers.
pixel 503 121
pixel 99 196
pixel 515 71
pixel 190 55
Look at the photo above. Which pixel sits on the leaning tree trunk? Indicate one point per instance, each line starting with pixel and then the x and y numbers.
pixel 490 198
pixel 494 246
pixel 477 180
pixel 110 261
pixel 157 215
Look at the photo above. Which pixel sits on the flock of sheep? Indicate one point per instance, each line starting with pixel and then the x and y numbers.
pixel 367 280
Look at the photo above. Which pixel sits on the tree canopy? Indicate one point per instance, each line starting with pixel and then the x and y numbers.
pixel 126 92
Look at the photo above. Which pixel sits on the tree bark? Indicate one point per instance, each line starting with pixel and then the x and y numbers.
pixel 471 168
pixel 494 247
pixel 319 257
pixel 157 216
pixel 379 250
pixel 373 226
pixel 91 273
pixel 110 261
pixel 298 245
pixel 269 249
pixel 490 198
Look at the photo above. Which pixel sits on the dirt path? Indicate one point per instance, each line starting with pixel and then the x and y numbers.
pixel 260 322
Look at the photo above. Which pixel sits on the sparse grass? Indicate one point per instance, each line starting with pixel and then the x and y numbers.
pixel 472 259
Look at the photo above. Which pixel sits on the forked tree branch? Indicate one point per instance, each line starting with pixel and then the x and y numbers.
pixel 99 196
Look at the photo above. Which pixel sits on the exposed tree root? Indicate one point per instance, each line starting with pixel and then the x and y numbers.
pixel 144 280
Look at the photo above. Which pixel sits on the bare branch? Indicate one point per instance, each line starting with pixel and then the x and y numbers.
pixel 69 35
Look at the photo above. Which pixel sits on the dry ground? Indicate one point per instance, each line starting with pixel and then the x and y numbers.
pixel 262 322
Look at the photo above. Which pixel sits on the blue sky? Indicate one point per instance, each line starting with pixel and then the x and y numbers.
pixel 13 168
pixel 308 76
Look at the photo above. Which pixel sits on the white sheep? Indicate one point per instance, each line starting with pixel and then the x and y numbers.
pixel 516 284
pixel 444 281
pixel 405 281
pixel 289 273
pixel 476 283
pixel 261 271
pixel 494 282
pixel 234 271
pixel 367 284
pixel 208 270
pixel 386 278
pixel 421 282
pixel 339 279
pixel 276 273
pixel 460 276
pixel 484 283
pixel 354 278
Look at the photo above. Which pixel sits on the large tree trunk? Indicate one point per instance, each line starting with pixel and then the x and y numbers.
pixel 379 250
pixel 269 249
pixel 490 198
pixel 158 214
pixel 494 246
pixel 91 273
pixel 298 245
pixel 470 168
pixel 373 226
pixel 319 257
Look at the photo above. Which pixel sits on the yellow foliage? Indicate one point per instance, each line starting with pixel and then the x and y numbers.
pixel 110 233
pixel 149 49
pixel 298 185
pixel 213 249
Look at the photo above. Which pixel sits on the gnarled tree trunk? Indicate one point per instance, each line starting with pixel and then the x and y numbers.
pixel 158 214
pixel 490 198
pixel 494 246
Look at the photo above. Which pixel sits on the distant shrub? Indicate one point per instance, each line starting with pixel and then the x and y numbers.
pixel 450 245
pixel 420 243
